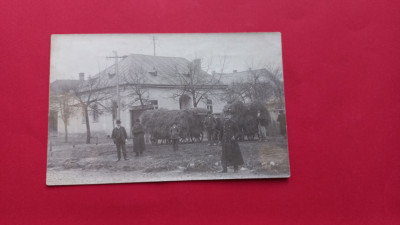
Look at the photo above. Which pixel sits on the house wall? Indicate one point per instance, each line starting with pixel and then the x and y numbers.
pixel 104 125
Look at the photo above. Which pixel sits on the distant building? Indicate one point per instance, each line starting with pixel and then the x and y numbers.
pixel 244 76
pixel 254 85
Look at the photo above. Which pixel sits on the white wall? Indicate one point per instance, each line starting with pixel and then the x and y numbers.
pixel 105 125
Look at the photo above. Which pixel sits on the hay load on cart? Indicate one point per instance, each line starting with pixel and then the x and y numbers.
pixel 158 122
pixel 246 116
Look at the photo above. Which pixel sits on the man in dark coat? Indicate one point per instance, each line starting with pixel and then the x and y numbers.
pixel 262 126
pixel 174 134
pixel 282 122
pixel 138 138
pixel 210 124
pixel 119 136
pixel 231 155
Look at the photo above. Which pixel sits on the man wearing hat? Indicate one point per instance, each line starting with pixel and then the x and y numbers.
pixel 282 122
pixel 210 124
pixel 231 155
pixel 174 134
pixel 119 136
pixel 262 124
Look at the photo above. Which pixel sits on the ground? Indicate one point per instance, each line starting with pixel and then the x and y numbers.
pixel 79 163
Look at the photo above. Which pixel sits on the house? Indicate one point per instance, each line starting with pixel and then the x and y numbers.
pixel 58 88
pixel 255 85
pixel 245 76
pixel 145 82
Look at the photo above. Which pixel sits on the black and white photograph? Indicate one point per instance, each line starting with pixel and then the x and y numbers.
pixel 128 108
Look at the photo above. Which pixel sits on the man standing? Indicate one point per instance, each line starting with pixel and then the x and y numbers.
pixel 282 122
pixel 210 124
pixel 174 133
pixel 262 124
pixel 231 155
pixel 138 138
pixel 119 136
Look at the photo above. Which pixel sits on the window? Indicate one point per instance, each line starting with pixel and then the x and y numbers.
pixel 53 119
pixel 209 105
pixel 154 103
pixel 184 102
pixel 154 72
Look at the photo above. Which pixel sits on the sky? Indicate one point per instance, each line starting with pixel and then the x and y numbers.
pixel 72 54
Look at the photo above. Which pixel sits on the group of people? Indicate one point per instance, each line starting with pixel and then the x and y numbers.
pixel 213 127
pixel 263 123
pixel 230 156
pixel 120 136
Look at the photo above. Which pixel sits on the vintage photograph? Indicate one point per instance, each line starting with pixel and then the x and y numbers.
pixel 127 108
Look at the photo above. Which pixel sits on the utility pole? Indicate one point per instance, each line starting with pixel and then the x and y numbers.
pixel 118 95
pixel 116 57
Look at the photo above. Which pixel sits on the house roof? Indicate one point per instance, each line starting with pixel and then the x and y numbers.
pixel 244 76
pixel 62 86
pixel 153 70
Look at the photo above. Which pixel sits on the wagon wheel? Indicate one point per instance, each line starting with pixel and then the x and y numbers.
pixel 250 137
pixel 241 137
pixel 183 140
pixel 193 139
pixel 154 141
pixel 198 138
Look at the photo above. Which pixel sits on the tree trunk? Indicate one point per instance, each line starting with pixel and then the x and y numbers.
pixel 87 125
pixel 66 132
pixel 194 100
pixel 141 100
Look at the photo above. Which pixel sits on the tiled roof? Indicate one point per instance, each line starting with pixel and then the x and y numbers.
pixel 62 86
pixel 158 70
pixel 243 76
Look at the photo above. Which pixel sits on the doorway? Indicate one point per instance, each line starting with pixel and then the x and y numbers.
pixel 53 122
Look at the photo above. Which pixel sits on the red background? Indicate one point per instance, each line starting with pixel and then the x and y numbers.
pixel 341 69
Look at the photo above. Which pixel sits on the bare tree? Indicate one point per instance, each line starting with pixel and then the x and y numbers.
pixel 260 88
pixel 136 80
pixel 275 76
pixel 195 82
pixel 91 95
pixel 255 87
pixel 261 85
pixel 63 102
pixel 236 91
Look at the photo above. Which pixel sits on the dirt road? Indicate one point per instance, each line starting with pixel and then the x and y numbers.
pixel 92 164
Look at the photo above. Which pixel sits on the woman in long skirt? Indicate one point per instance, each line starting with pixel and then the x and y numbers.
pixel 138 138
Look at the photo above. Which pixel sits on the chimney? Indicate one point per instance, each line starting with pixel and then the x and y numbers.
pixel 81 76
